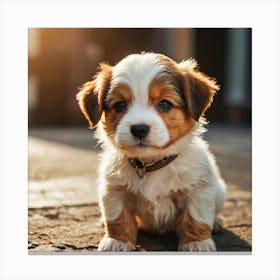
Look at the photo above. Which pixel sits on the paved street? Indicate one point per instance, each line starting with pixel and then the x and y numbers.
pixel 63 211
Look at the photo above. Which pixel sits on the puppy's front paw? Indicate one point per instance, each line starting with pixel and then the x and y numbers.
pixel 113 245
pixel 207 245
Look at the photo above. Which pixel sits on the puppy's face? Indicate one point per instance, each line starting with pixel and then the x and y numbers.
pixel 147 102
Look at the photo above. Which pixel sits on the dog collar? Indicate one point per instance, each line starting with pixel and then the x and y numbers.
pixel 142 168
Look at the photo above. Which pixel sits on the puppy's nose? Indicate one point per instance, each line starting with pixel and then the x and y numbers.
pixel 140 130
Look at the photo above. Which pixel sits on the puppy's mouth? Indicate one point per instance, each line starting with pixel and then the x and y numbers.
pixel 141 144
pixel 138 146
pixel 141 149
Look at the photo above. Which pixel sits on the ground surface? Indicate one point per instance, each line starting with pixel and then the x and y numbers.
pixel 63 211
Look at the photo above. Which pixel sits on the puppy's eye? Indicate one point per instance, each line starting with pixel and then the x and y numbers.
pixel 164 106
pixel 120 106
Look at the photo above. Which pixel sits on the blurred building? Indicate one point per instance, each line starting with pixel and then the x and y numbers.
pixel 61 59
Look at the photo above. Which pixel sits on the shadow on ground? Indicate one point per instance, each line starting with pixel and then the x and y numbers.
pixel 226 241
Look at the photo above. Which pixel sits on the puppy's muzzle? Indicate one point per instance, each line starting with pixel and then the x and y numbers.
pixel 140 130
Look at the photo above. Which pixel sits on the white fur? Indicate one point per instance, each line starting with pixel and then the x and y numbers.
pixel 112 198
pixel 164 212
pixel 137 71
pixel 207 245
pixel 114 245
pixel 137 114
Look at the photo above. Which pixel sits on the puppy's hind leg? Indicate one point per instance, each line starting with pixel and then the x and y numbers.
pixel 195 221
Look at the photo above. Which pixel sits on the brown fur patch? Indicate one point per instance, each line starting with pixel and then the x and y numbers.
pixel 121 92
pixel 124 228
pixel 187 227
pixel 165 87
pixel 91 95
pixel 111 118
pixel 198 89
pixel 178 124
pixel 190 230
pixel 202 91
pixel 178 121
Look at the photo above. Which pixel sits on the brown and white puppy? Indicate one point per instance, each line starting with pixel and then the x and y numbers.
pixel 156 172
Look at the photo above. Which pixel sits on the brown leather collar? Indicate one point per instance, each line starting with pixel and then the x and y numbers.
pixel 142 168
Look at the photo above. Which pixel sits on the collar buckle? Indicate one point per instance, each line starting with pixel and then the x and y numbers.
pixel 142 168
pixel 140 171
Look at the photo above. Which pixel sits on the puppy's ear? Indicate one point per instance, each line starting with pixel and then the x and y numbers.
pixel 199 88
pixel 91 95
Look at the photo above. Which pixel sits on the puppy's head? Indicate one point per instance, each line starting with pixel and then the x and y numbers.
pixel 147 102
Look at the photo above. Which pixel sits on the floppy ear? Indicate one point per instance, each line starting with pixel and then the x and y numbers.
pixel 91 95
pixel 199 88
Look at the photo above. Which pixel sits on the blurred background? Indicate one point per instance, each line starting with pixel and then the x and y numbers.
pixel 61 59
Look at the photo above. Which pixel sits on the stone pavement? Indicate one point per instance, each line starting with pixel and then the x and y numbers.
pixel 63 211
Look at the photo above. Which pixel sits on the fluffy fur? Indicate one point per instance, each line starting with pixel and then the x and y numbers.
pixel 186 194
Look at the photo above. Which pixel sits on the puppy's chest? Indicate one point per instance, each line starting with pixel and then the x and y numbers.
pixel 159 215
pixel 158 185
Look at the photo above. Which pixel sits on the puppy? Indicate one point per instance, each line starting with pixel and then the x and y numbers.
pixel 156 172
